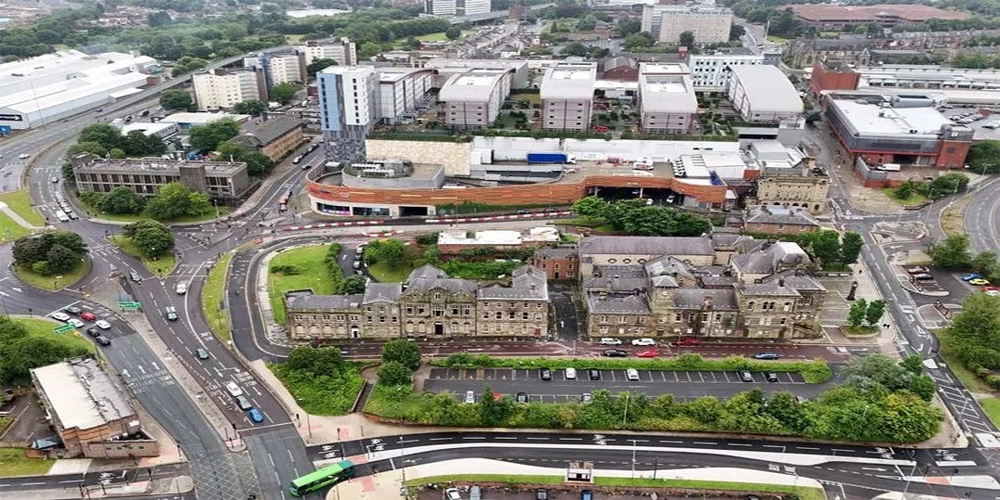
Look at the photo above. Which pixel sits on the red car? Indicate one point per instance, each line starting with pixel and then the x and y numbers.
pixel 989 288
pixel 688 341
pixel 87 316
pixel 649 353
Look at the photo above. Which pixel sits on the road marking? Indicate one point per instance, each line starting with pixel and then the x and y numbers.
pixel 474 437
pixel 71 481
pixel 18 290
pixel 739 444
pixel 711 443
pixel 805 448
pixel 441 439
pixel 571 439
pixel 141 369
pixel 538 439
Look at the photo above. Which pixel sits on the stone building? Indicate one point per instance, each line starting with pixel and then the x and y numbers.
pixel 437 306
pixel 520 309
pixel 312 317
pixel 804 52
pixel 779 219
pixel 801 186
pixel 381 318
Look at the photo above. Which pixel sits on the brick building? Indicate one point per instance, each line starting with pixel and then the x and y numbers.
pixel 833 75
pixel 275 137
pixel 562 263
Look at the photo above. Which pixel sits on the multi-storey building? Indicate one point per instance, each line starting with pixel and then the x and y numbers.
pixel 472 100
pixel 278 67
pixel 221 88
pixel 779 219
pixel 221 180
pixel 711 72
pixel 274 137
pixel 666 99
pixel 763 94
pixel 342 50
pixel 402 90
pixel 708 23
pixel 349 108
pixel 800 186
pixel 562 263
pixel 456 7
pixel 567 94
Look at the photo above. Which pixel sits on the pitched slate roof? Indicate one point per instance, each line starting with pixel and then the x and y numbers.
pixel 768 214
pixel 527 283
pixel 668 266
pixel 309 302
pixel 693 298
pixel 647 245
pixel 268 131
pixel 617 304
pixel 382 291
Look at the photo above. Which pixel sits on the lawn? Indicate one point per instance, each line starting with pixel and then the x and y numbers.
pixel 328 394
pixel 992 408
pixel 56 282
pixel 10 230
pixel 385 272
pixel 91 211
pixel 43 328
pixel 530 97
pixel 212 295
pixel 20 202
pixel 13 462
pixel 914 198
pixel 776 39
pixel 953 217
pixel 312 274
pixel 161 266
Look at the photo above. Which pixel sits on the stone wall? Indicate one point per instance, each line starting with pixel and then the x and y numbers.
pixel 454 156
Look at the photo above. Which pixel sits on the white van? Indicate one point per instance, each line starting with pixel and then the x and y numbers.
pixel 62 216
pixel 234 390
pixel 890 167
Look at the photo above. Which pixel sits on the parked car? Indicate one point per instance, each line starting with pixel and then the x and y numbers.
pixel 615 353
pixel 989 288
pixel 771 376
pixel 571 374
pixel 586 397
pixel 746 376
pixel 594 374
pixel 917 270
pixel 88 316
pixel 971 276
pixel 648 353
pixel 101 339
pixel 610 341
pixel 75 311
pixel 470 397
pixel 256 415
pixel 979 282
pixel 922 277
pixel 643 342
pixel 545 373
pixel 93 332
pixel 61 316
pixel 688 341
pixel 766 355
pixel 521 397
pixel 586 495
pixel 75 322
pixel 632 375
pixel 541 494
pixel 452 494
pixel 103 325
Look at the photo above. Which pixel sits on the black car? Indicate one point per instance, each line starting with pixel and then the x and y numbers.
pixel 75 311
pixel 766 355
pixel 771 376
pixel 93 332
pixel 101 339
pixel 545 373
pixel 541 494
pixel 595 374
pixel 522 397
pixel 615 353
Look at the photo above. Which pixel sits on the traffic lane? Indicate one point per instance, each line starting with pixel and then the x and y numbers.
pixel 279 457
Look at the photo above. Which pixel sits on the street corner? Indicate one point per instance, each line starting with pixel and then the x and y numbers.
pixel 898 232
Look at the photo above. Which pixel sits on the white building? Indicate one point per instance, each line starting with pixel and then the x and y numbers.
pixel 473 99
pixel 709 24
pixel 222 88
pixel 446 68
pixel 763 94
pixel 341 50
pixel 278 68
pixel 40 90
pixel 160 129
pixel 452 8
pixel 666 98
pixel 567 94
pixel 349 108
pixel 188 120
pixel 711 72
pixel 402 90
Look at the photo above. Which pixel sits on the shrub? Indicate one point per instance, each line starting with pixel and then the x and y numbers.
pixel 286 269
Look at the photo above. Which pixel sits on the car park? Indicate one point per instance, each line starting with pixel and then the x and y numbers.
pixel 521 397
pixel 571 374
pixel 979 282
pixel 594 374
pixel 75 322
pixel 648 353
pixel 643 342
pixel 586 397
pixel 632 375
pixel 766 355
pixel 255 415
pixel 615 353
pixel 75 311
pixel 745 376
pixel 201 353
pixel 243 403
pixel 771 376
pixel 688 341
pixel 103 325
pixel 545 373
pixel 971 276
pixel 61 316
pixel 88 316
pixel 610 341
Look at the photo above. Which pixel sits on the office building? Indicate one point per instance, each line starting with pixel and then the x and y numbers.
pixel 666 99
pixel 708 23
pixel 473 99
pixel 218 179
pixel 222 89
pixel 835 17
pixel 763 94
pixel 278 67
pixel 567 94
pixel 90 412
pixel 342 50
pixel 402 90
pixel 275 137
pixel 711 72
pixel 349 108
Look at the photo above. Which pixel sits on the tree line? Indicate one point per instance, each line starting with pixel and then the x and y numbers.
pixel 20 352
pixel 173 200
pixel 636 217
pixel 974 337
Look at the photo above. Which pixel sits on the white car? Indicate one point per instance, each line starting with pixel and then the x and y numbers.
pixel 643 342
pixel 181 288
pixel 24 156
pixel 103 325
pixel 610 341
pixel 76 323
pixel 61 316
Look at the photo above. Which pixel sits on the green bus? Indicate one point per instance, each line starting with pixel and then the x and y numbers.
pixel 322 478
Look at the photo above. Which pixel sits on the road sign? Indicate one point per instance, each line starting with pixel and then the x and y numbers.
pixel 62 329
pixel 129 306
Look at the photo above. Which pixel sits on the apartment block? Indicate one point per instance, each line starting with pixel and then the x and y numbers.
pixel 473 99
pixel 349 108
pixel 402 90
pixel 711 72
pixel 223 180
pixel 666 98
pixel 567 94
pixel 222 89
pixel 278 67
pixel 456 7
pixel 708 23
pixel 763 94
pixel 342 50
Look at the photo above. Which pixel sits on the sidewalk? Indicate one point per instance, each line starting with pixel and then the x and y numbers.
pixel 170 486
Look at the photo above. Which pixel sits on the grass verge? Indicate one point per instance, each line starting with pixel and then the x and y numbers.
pixel 43 328
pixel 813 372
pixel 4 423
pixel 10 230
pixel 859 330
pixel 953 218
pixel 56 282
pixel 991 406
pixel 20 202
pixel 13 462
pixel 385 272
pixel 487 478
pixel 311 272
pixel 95 212
pixel 913 199
pixel 160 266
pixel 326 394
pixel 211 298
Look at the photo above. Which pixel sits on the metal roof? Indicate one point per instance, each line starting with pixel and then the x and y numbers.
pixel 666 88
pixel 81 394
pixel 768 89
pixel 569 81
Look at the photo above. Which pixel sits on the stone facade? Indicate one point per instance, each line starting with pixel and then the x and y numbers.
pixel 453 155
pixel 795 187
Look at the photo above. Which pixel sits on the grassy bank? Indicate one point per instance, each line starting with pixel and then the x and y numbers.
pixel 212 296
pixel 813 372
pixel 13 462
pixel 20 202
pixel 991 405
pixel 55 282
pixel 395 272
pixel 327 394
pixel 160 266
pixel 298 269
pixel 10 230
pixel 43 328
pixel 914 198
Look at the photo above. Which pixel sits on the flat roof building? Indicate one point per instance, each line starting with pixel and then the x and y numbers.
pixel 188 120
pixel 90 412
pixel 666 98
pixel 402 91
pixel 218 179
pixel 223 89
pixel 708 23
pixel 162 130
pixel 472 100
pixel 446 68
pixel 884 130
pixel 567 94
pixel 711 72
pixel 349 109
pixel 287 66
pixel 342 50
pixel 763 94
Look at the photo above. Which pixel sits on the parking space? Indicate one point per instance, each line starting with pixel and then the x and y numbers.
pixel 924 279
pixel 583 376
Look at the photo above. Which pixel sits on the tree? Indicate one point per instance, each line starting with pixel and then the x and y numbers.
pixel 283 92
pixel 687 39
pixel 158 19
pixel 151 237
pixel 639 41
pixel 317 361
pixel 101 133
pixel 590 207
pixel 122 200
pixel 188 64
pixel 387 250
pixel 352 285
pixel 137 143
pixel 856 316
pixel 876 309
pixel 258 164
pixel 252 107
pixel 851 247
pixel 984 157
pixel 826 248
pixel 403 351
pixel 21 352
pixel 49 253
pixel 453 33
pixel 951 183
pixel 206 138
pixel 627 26
pixel 176 99
pixel 913 364
pixel 736 31
pixel 94 148
pixel 574 49
pixel 173 200
pixel 952 253
pixel 985 263
pixel 394 373
pixel 494 412
pixel 117 153
pixel 319 64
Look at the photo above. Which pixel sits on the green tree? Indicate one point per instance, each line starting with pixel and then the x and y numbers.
pixel 352 285
pixel 188 64
pixel 627 26
pixel 173 200
pixel 984 157
pixel 952 253
pixel 94 148
pixel 590 207
pixel 856 316
pixel 687 39
pixel 388 250
pixel 574 49
pixel 117 153
pixel 258 164
pixel 103 134
pixel 826 248
pixel 453 33
pixel 319 64
pixel 736 31
pixel 20 352
pixel 985 263
pixel 283 92
pixel 206 138
pixel 122 200
pixel 851 247
pixel 402 351
pixel 638 41
pixel 494 412
pixel 61 259
pixel 151 237
pixel 950 183
pixel 876 309
pixel 252 107
pixel 913 364
pixel 137 143
pixel 394 373
pixel 176 99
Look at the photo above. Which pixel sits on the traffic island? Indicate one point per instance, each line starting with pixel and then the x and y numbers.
pixel 53 282
pixel 161 265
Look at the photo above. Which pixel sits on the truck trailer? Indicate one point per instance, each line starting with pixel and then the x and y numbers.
pixel 565 158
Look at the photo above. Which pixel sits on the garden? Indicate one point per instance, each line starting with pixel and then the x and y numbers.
pixel 321 382
pixel 391 261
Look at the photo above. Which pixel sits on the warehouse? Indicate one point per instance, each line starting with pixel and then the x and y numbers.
pixel 40 90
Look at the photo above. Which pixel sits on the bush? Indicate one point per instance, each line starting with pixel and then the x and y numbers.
pixel 286 269
pixel 321 382
pixel 394 373
pixel 404 352
pixel 427 239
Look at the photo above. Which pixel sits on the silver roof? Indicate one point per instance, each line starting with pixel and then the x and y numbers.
pixel 768 89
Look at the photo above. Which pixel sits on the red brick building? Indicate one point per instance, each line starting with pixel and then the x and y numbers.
pixel 562 263
pixel 832 76
pixel 622 69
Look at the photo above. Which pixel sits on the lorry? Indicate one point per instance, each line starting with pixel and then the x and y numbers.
pixel 550 158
